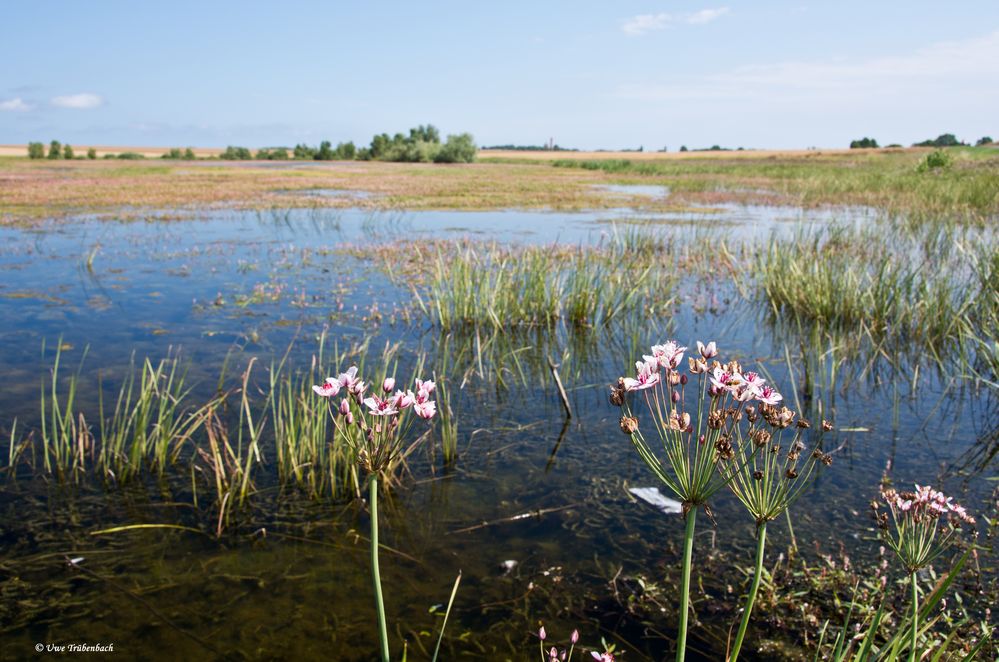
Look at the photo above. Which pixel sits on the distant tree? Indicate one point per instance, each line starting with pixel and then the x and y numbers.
pixel 36 151
pixel 55 150
pixel 174 153
pixel 943 140
pixel 427 134
pixel 379 145
pixel 984 140
pixel 458 149
pixel 232 153
pixel 67 151
pixel 303 151
pixel 715 148
pixel 128 156
pixel 683 148
pixel 864 143
pixel 325 152
pixel 345 151
pixel 188 154
pixel 91 153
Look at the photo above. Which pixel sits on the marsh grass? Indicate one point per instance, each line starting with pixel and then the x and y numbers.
pixel 499 287
pixel 924 292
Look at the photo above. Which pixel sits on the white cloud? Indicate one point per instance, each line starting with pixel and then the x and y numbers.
pixel 643 23
pixel 706 15
pixel 82 101
pixel 970 66
pixel 16 105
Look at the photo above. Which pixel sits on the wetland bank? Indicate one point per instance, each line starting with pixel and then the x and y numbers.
pixel 171 482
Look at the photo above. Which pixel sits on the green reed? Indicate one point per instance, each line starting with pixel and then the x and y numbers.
pixel 66 437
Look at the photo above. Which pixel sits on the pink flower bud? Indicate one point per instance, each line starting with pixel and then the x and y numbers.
pixel 575 637
pixel 388 384
pixel 344 407
pixel 542 634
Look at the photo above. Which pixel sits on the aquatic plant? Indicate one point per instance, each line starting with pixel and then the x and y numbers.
pixel 550 652
pixel 375 427
pixel 916 535
pixel 765 475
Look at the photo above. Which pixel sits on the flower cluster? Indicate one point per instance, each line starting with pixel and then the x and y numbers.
pixel 916 537
pixel 554 654
pixel 377 441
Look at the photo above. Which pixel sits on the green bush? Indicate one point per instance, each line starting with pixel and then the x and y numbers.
pixel 273 154
pixel 55 150
pixel 91 153
pixel 935 160
pixel 67 152
pixel 458 149
pixel 984 140
pixel 36 151
pixel 130 156
pixel 943 140
pixel 232 153
pixel 864 143
pixel 304 152
pixel 346 151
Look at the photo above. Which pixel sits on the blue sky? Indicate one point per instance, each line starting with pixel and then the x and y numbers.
pixel 590 74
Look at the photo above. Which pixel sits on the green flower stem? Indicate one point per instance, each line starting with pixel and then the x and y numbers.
pixel 915 618
pixel 688 548
pixel 761 541
pixel 375 573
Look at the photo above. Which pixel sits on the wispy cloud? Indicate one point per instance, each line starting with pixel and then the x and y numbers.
pixel 82 101
pixel 15 105
pixel 643 23
pixel 971 64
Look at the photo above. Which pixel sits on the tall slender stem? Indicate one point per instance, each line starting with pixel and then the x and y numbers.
pixel 761 541
pixel 375 573
pixel 915 618
pixel 688 548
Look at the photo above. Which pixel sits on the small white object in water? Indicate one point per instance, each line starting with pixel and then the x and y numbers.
pixel 653 496
pixel 76 561
pixel 507 566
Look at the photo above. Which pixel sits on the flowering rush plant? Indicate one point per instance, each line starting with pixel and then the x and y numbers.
pixel 374 425
pixel 924 524
pixel 916 536
pixel 726 430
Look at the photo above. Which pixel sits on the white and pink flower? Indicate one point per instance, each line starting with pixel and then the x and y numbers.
pixel 426 409
pixel 768 395
pixel 708 351
pixel 329 388
pixel 648 376
pixel 380 407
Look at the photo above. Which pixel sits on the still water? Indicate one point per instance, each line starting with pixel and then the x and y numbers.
pixel 289 579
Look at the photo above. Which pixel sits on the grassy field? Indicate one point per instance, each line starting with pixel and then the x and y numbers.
pixel 889 180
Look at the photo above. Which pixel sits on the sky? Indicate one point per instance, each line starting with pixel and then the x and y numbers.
pixel 590 75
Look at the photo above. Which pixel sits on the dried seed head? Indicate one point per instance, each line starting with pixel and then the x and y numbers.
pixel 826 425
pixel 628 424
pixel 617 393
pixel 826 460
pixel 798 446
pixel 723 446
pixel 716 419
pixel 793 456
pixel 817 454
pixel 760 437
pixel 757 475
pixel 791 473
pixel 803 424
pixel 674 378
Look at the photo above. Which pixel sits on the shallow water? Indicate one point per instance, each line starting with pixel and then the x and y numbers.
pixel 290 578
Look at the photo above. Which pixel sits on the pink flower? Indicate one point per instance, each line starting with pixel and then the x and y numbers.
pixel 424 389
pixel 380 407
pixel 403 400
pixel 329 388
pixel 344 407
pixel 425 409
pixel 541 633
pixel 348 379
pixel 768 395
pixel 603 657
pixel 574 639
pixel 753 381
pixel 669 354
pixel 388 384
pixel 708 351
pixel 726 381
pixel 648 376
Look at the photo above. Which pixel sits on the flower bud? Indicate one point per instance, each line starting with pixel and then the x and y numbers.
pixel 388 384
pixel 344 407
pixel 675 397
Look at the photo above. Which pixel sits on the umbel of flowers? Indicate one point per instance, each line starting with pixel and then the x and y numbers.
pixel 375 428
pixel 923 525
pixel 718 426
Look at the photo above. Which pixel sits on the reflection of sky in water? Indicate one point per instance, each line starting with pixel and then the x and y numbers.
pixel 154 285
